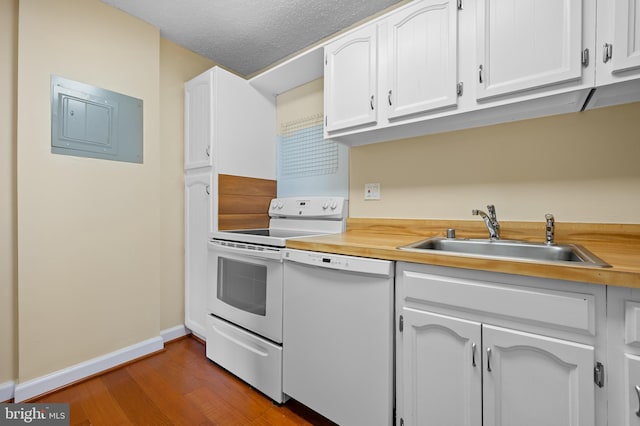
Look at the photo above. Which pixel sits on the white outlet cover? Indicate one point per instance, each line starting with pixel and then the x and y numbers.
pixel 371 191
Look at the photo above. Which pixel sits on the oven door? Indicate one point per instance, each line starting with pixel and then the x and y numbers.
pixel 245 286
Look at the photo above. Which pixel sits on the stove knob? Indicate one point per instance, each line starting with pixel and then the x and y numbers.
pixel 274 204
pixel 280 204
pixel 334 204
pixel 325 205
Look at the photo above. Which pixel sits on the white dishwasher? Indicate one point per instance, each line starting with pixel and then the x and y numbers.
pixel 338 336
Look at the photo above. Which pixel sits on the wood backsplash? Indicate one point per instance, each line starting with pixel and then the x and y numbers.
pixel 243 202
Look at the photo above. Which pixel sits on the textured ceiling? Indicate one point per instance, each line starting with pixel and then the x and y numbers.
pixel 249 35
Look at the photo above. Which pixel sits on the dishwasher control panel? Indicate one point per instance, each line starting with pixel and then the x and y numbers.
pixel 340 262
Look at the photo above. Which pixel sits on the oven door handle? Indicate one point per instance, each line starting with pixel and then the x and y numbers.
pixel 243 250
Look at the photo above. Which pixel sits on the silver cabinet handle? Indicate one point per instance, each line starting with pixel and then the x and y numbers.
pixel 638 393
pixel 480 68
pixel 607 52
pixel 208 189
pixel 473 354
pixel 489 359
pixel 389 97
pixel 585 57
pixel 371 102
pixel 208 151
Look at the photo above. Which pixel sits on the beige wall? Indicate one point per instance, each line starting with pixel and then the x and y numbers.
pixel 88 230
pixel 8 236
pixel 301 102
pixel 100 257
pixel 582 167
pixel 177 65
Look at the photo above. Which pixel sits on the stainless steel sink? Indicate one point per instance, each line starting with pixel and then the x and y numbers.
pixel 563 253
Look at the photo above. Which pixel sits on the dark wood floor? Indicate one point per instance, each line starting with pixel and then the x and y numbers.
pixel 178 386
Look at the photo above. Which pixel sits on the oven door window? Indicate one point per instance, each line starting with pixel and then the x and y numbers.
pixel 243 285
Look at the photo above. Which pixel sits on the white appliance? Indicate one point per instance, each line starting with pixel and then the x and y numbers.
pixel 245 288
pixel 338 334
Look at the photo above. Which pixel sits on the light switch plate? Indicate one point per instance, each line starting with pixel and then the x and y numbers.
pixel 371 191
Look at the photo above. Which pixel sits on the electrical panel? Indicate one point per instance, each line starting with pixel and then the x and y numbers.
pixel 87 121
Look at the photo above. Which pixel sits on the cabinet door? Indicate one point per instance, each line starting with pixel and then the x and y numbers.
pixel 532 380
pixel 244 128
pixel 623 357
pixel 439 367
pixel 625 52
pixel 423 58
pixel 632 390
pixel 350 80
pixel 197 218
pixel 527 44
pixel 198 121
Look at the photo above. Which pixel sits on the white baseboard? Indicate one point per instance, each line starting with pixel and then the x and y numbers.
pixel 6 390
pixel 173 333
pixel 57 379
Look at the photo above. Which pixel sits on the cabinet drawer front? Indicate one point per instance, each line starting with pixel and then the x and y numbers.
pixel 557 309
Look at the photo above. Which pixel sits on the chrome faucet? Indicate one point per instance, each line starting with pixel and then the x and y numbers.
pixel 490 220
pixel 550 229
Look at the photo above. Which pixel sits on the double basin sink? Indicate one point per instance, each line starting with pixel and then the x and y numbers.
pixel 571 254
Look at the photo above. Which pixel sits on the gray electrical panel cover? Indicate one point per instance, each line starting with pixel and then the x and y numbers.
pixel 88 121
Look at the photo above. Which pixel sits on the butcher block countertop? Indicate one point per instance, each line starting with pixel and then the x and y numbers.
pixel 616 244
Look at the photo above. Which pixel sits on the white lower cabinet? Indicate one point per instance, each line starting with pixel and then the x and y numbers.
pixel 623 309
pixel 477 348
pixel 532 380
pixel 441 372
pixel 198 213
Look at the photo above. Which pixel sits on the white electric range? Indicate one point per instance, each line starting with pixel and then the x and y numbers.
pixel 245 288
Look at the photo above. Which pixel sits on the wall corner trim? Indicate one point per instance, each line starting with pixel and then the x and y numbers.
pixel 41 385
pixel 173 333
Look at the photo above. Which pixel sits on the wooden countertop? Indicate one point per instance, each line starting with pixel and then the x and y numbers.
pixel 616 244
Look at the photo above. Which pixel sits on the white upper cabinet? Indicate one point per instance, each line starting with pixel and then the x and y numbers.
pixel 422 58
pixel 618 53
pixel 402 67
pixel 198 95
pixel 350 80
pixel 625 51
pixel 446 65
pixel 527 44
pixel 229 125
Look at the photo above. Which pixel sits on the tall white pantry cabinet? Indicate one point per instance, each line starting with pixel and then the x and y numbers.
pixel 229 128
